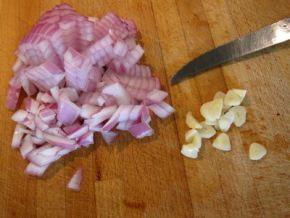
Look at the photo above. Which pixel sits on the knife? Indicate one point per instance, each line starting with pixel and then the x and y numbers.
pixel 266 37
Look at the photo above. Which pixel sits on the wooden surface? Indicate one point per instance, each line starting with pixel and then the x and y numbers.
pixel 150 178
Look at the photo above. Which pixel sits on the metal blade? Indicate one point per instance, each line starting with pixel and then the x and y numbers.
pixel 264 38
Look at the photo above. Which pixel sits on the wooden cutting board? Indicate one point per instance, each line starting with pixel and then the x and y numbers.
pixel 149 178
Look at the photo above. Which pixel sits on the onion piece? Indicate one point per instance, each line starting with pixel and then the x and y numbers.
pixel 79 132
pixel 124 125
pixel 145 114
pixel 35 170
pixel 37 141
pixel 70 93
pixel 109 136
pixel 162 109
pixel 19 116
pixel 86 139
pixel 101 116
pixel 26 146
pixel 118 92
pixel 120 49
pixel 12 97
pixel 72 128
pixel 88 110
pixel 141 130
pixel 45 76
pixel 31 105
pixel 45 98
pixel 17 135
pixel 40 124
pixel 75 181
pixel 55 93
pixel 67 111
pixel 41 159
pixel 59 141
pixel 47 115
pixel 155 96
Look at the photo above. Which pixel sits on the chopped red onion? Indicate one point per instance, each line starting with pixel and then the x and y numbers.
pixel 17 135
pixel 141 130
pixel 19 116
pixel 75 181
pixel 86 76
pixel 35 170
pixel 109 136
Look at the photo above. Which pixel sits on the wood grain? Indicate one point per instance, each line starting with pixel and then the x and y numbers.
pixel 149 178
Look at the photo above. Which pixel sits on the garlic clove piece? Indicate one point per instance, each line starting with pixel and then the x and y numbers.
pixel 216 126
pixel 190 151
pixel 196 140
pixel 240 115
pixel 191 122
pixel 240 92
pixel 210 123
pixel 190 134
pixel 234 97
pixel 219 94
pixel 206 131
pixel 257 151
pixel 226 120
pixel 212 110
pixel 222 142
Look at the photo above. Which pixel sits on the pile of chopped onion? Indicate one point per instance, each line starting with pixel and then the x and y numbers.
pixel 81 75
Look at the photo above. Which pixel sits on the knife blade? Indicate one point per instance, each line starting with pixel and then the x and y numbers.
pixel 265 37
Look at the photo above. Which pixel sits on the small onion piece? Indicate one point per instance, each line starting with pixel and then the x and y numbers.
pixel 75 181
pixel 86 139
pixel 120 94
pixel 17 135
pixel 35 170
pixel 141 130
pixel 19 116
pixel 162 109
pixel 26 146
pixel 59 141
pixel 109 136
pixel 155 96
pixel 79 132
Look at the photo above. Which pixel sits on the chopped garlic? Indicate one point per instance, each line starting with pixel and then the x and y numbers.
pixel 196 140
pixel 190 151
pixel 190 134
pixel 240 115
pixel 222 142
pixel 234 97
pixel 226 120
pixel 219 94
pixel 192 122
pixel 212 110
pixel 240 92
pixel 257 151
pixel 210 123
pixel 206 131
pixel 216 126
pixel 193 136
